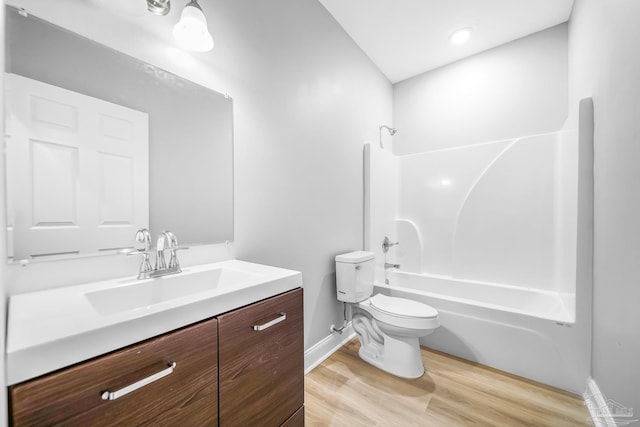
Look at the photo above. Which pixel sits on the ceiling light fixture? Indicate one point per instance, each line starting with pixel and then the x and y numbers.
pixel 460 36
pixel 191 31
pixel 159 7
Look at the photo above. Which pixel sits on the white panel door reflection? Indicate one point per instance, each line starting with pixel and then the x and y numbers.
pixel 77 171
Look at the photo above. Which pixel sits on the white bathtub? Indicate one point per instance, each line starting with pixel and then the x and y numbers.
pixel 526 332
pixel 559 307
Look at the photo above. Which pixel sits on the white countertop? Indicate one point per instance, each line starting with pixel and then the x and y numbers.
pixel 51 329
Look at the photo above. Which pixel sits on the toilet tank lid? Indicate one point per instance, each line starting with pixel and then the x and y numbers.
pixel 355 257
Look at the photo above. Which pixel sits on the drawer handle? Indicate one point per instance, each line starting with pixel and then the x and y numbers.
pixel 269 324
pixel 113 395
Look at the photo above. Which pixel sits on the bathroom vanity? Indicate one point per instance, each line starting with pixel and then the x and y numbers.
pixel 241 363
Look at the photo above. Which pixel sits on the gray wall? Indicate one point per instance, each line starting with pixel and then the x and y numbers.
pixel 308 100
pixel 513 90
pixel 604 61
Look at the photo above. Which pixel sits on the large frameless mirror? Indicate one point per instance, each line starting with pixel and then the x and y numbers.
pixel 99 144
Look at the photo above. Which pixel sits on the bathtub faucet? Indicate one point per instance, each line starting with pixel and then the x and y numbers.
pixel 386 244
pixel 387 266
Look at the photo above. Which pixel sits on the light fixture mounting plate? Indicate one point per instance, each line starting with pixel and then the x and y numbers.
pixel 159 7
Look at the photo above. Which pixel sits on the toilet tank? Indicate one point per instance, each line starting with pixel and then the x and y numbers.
pixel 354 276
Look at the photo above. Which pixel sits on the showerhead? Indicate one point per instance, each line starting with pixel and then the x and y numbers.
pixel 392 131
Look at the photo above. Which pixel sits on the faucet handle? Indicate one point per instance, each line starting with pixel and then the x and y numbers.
pixel 143 236
pixel 386 244
pixel 163 239
pixel 145 266
pixel 173 246
pixel 172 240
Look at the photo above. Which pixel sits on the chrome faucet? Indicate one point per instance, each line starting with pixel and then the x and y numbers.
pixel 386 244
pixel 143 236
pixel 173 246
pixel 387 266
pixel 160 262
pixel 166 240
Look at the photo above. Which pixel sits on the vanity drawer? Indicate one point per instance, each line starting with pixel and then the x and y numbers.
pixel 261 359
pixel 74 396
pixel 295 420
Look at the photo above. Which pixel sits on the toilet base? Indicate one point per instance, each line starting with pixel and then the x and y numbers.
pixel 401 357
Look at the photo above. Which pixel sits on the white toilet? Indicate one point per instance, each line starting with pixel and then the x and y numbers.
pixel 388 327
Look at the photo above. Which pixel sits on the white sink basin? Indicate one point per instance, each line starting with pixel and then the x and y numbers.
pixel 51 329
pixel 142 294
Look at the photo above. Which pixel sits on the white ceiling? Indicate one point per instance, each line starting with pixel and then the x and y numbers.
pixel 405 38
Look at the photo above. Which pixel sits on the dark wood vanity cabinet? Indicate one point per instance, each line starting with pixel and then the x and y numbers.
pixel 295 420
pixel 243 368
pixel 261 359
pixel 186 396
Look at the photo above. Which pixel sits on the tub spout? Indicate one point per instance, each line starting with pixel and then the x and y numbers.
pixel 387 266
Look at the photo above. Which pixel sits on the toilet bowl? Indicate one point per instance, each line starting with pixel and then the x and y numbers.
pixel 388 328
pixel 403 314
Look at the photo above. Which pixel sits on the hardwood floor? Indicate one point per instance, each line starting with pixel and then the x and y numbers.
pixel 346 391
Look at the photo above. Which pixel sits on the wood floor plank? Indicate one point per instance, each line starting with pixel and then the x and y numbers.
pixel 346 391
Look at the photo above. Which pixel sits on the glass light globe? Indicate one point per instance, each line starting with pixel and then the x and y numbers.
pixel 191 31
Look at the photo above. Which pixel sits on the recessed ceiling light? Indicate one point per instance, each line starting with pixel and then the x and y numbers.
pixel 460 36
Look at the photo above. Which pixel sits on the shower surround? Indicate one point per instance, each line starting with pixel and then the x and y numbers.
pixel 489 237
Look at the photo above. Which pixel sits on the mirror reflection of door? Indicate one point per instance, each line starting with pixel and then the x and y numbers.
pixel 77 171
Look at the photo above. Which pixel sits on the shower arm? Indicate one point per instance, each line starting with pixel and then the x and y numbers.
pixel 392 131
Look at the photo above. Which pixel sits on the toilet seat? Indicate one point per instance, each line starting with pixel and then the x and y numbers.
pixel 402 307
pixel 401 312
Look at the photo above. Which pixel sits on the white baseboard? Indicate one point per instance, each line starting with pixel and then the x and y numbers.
pixel 325 348
pixel 598 406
